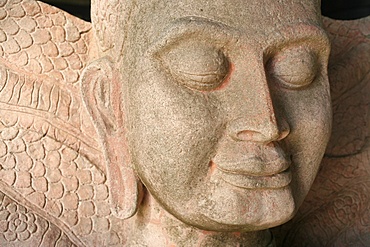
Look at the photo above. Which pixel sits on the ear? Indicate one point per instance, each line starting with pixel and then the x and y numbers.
pixel 102 95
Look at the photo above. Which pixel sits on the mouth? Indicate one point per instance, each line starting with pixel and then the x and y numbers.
pixel 274 181
pixel 253 166
pixel 249 180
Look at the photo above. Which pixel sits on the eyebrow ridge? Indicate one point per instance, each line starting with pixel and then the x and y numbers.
pixel 299 32
pixel 193 26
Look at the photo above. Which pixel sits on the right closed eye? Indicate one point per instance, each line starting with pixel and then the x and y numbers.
pixel 196 66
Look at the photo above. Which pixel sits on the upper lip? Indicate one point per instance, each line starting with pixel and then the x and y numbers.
pixel 255 161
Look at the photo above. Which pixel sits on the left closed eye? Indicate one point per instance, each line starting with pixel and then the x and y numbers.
pixel 294 68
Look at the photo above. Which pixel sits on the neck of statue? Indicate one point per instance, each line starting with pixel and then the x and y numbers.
pixel 153 226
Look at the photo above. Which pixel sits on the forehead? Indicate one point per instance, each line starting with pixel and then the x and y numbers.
pixel 258 18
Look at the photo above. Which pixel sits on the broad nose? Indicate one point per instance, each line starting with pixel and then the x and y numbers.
pixel 255 118
pixel 259 128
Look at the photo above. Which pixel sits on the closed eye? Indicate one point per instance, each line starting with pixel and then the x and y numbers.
pixel 196 65
pixel 294 68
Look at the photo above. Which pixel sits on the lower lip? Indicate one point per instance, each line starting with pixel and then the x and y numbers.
pixel 276 181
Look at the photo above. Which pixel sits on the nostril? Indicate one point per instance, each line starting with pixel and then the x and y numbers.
pixel 283 134
pixel 284 129
pixel 251 129
pixel 250 135
pixel 267 131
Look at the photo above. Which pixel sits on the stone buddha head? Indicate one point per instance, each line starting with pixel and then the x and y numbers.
pixel 220 109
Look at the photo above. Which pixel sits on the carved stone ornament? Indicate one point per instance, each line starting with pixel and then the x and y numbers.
pixel 183 123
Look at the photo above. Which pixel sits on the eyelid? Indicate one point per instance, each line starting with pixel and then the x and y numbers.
pixel 305 64
pixel 199 66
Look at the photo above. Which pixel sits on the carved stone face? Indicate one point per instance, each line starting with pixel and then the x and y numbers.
pixel 227 108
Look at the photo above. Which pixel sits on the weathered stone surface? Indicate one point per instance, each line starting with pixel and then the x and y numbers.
pixel 183 123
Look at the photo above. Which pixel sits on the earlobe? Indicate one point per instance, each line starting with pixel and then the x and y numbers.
pixel 101 91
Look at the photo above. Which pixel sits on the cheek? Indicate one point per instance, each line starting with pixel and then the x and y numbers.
pixel 173 133
pixel 310 120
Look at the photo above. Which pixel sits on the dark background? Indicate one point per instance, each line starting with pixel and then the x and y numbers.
pixel 345 9
pixel 336 9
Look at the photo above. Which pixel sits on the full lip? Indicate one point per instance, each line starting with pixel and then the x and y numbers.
pixel 274 181
pixel 253 165
pixel 267 179
pixel 250 158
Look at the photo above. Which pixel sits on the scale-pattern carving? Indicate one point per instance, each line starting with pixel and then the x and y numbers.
pixel 58 180
pixel 42 39
pixel 50 159
pixel 56 104
pixel 21 227
pixel 105 15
